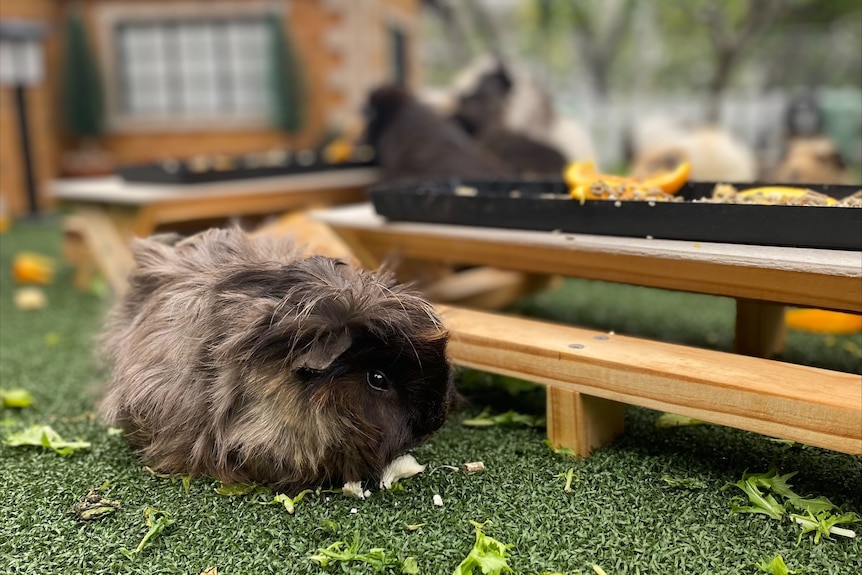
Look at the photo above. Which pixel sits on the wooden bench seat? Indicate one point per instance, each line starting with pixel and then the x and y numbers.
pixel 592 375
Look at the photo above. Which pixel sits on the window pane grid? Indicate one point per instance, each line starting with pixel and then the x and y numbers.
pixel 194 68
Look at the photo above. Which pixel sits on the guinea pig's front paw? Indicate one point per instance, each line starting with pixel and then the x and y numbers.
pixel 400 468
pixel 354 489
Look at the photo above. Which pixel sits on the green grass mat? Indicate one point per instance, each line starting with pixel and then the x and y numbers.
pixel 620 514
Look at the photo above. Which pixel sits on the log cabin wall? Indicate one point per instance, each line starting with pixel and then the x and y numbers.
pixel 41 114
pixel 342 46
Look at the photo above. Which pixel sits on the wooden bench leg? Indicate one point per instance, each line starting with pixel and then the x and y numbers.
pixel 76 253
pixel 760 328
pixel 582 422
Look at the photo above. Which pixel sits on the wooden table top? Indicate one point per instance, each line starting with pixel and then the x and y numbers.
pixel 115 190
pixel 830 279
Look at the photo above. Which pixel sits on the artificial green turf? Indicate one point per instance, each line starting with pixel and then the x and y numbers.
pixel 620 514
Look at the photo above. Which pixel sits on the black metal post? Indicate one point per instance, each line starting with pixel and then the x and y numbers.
pixel 24 136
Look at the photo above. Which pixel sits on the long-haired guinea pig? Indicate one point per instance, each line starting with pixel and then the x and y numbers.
pixel 237 358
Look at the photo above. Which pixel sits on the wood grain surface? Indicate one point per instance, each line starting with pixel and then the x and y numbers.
pixel 809 405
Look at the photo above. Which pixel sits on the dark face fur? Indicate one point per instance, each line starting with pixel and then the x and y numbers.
pixel 235 358
pixel 414 143
pixel 485 105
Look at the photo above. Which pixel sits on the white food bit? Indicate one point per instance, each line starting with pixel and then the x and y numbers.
pixel 468 191
pixel 400 468
pixel 30 298
pixel 618 204
pixel 438 501
pixel 354 510
pixel 366 494
pixel 353 489
pixel 276 157
pixel 649 237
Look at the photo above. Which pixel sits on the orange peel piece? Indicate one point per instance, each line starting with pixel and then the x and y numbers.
pixel 579 176
pixel 669 182
pixel 338 151
pixel 32 268
pixel 823 321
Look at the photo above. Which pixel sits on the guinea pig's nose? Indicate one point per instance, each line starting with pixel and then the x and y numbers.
pixel 454 401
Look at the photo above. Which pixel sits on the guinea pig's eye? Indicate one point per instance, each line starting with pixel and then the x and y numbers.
pixel 377 380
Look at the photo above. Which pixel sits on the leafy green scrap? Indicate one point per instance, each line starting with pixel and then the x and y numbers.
pixel 287 501
pixel 241 489
pixel 569 476
pixel 16 397
pixel 774 566
pixel 378 558
pixel 763 503
pixel 813 514
pixel 184 478
pixel 564 451
pixel 45 436
pixel 509 418
pixel 157 521
pixel 825 524
pixel 488 555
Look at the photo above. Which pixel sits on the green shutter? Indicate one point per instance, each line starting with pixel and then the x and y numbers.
pixel 286 80
pixel 81 90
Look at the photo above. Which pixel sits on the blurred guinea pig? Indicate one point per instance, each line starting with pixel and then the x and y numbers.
pixel 414 143
pixel 812 160
pixel 236 357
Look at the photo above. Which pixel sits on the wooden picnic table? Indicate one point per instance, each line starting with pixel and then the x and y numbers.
pixel 106 212
pixel 591 378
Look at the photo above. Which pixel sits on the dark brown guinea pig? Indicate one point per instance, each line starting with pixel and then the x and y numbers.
pixel 236 357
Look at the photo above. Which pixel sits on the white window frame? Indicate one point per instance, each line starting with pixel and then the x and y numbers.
pixel 111 17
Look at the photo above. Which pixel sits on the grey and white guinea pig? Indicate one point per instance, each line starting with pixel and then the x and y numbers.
pixel 236 357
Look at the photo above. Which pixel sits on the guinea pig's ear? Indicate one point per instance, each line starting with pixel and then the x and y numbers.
pixel 322 351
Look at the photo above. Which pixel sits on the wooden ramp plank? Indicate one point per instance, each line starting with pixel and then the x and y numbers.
pixel 813 406
pixel 108 249
pixel 485 288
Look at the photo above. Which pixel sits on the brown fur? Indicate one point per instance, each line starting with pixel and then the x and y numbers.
pixel 234 357
pixel 715 155
pixel 812 160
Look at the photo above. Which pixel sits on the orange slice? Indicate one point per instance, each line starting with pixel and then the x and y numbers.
pixel 669 182
pixel 823 321
pixel 580 175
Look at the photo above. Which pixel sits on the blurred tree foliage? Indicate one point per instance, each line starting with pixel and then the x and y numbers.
pixel 701 44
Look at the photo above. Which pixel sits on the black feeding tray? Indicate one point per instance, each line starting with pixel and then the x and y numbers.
pixel 547 206
pixel 181 172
